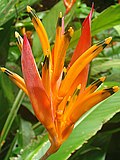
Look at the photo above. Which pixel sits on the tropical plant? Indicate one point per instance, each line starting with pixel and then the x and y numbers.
pixel 58 104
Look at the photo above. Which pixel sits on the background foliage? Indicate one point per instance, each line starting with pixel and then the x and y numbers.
pixel 22 136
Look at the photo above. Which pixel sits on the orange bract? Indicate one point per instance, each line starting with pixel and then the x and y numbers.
pixel 59 97
pixel 68 4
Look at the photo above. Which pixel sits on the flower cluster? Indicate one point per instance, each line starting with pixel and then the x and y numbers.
pixel 59 96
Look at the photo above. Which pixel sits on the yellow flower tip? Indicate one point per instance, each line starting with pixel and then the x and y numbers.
pixel 68 100
pixel 9 73
pixel 16 34
pixel 59 22
pixel 77 90
pixel 60 15
pixel 108 40
pixel 29 9
pixel 112 90
pixel 115 88
pixel 64 72
pixel 79 87
pixel 64 69
pixel 71 31
pixel 19 40
pixel 104 43
pixel 2 69
pixel 102 79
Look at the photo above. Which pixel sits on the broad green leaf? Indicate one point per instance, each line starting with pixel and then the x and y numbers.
pixel 26 133
pixel 4 42
pixel 116 119
pixel 107 67
pixel 117 28
pixel 4 104
pixel 107 19
pixel 35 149
pixel 96 154
pixel 88 126
pixel 6 85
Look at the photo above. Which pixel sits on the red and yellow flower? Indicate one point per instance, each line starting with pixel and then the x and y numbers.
pixel 59 96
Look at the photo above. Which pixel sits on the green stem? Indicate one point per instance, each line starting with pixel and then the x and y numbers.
pixel 11 117
pixel 11 148
pixel 36 125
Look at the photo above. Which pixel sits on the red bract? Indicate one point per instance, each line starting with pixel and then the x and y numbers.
pixel 60 97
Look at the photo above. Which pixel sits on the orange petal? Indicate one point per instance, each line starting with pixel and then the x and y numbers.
pixel 68 4
pixel 59 63
pixel 61 52
pixel 19 41
pixel 40 30
pixel 46 75
pixel 19 81
pixel 79 65
pixel 75 112
pixel 57 39
pixel 94 86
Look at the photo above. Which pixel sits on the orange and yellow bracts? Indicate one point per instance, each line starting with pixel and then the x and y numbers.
pixel 59 96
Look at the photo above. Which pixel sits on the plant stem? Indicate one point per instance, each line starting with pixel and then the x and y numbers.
pixel 11 117
pixel 11 148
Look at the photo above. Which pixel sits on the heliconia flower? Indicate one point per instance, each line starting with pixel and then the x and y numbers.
pixel 68 4
pixel 59 96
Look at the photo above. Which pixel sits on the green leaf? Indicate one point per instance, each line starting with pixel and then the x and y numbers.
pixel 88 125
pixel 107 67
pixel 10 8
pixel 107 19
pixel 4 42
pixel 35 149
pixel 95 149
pixel 7 89
pixel 4 104
pixel 117 28
pixel 96 154
pixel 26 133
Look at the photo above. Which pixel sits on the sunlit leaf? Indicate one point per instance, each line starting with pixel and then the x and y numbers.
pixel 10 9
pixel 107 19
